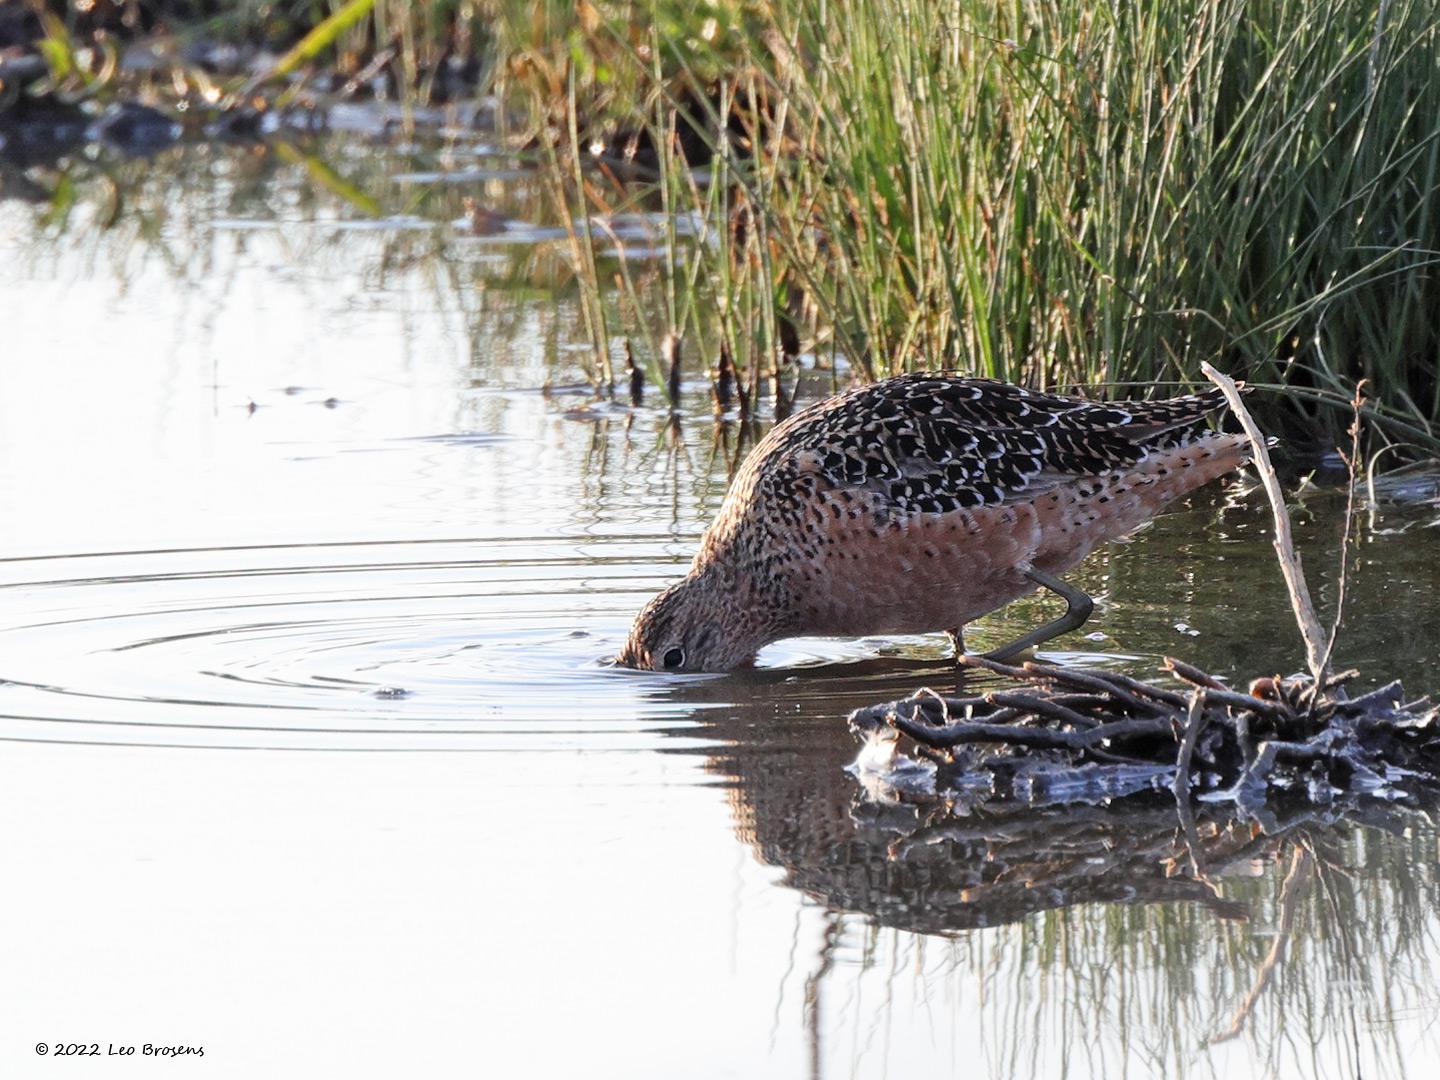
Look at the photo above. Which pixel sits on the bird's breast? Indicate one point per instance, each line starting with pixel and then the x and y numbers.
pixel 859 571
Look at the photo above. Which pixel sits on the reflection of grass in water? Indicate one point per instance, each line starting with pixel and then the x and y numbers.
pixel 128 211
pixel 344 33
pixel 1055 195
pixel 189 206
pixel 331 179
pixel 1153 990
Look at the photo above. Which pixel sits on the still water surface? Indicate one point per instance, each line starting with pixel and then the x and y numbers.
pixel 311 755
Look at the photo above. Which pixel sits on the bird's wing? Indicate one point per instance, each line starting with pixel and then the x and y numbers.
pixel 933 445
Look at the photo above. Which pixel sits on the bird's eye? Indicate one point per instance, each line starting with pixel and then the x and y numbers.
pixel 673 658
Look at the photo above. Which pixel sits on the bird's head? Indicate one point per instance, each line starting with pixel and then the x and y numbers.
pixel 701 623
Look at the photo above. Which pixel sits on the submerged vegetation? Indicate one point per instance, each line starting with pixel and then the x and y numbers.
pixel 1056 194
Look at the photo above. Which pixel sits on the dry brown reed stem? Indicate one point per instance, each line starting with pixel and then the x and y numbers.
pixel 724 387
pixel 1310 629
pixel 635 374
pixel 784 403
pixel 670 351
pixel 743 396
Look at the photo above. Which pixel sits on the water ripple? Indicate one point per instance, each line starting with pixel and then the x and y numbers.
pixel 396 645
pixel 407 645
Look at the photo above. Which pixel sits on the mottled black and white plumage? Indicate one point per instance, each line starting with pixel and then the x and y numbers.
pixel 917 504
pixel 934 444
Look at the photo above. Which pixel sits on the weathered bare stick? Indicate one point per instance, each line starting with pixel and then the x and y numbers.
pixel 955 734
pixel 1218 692
pixel 975 660
pixel 1143 689
pixel 1040 706
pixel 1193 675
pixel 1194 724
pixel 1015 735
pixel 1352 466
pixel 1310 629
pixel 1105 687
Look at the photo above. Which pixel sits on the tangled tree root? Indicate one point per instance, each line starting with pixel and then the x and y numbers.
pixel 1082 735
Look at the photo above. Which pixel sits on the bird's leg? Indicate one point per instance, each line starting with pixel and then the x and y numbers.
pixel 1078 610
pixel 957 641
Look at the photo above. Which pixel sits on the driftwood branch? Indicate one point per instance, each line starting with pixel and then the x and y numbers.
pixel 1305 617
pixel 1084 735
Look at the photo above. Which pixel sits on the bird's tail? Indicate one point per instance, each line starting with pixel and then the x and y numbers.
pixel 1127 498
pixel 1152 419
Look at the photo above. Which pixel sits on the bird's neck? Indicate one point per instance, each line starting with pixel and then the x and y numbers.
pixel 750 614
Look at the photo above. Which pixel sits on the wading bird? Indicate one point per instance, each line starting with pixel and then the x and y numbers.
pixel 918 504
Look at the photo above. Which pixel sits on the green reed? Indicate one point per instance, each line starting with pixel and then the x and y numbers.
pixel 1052 193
